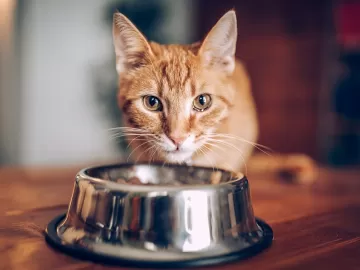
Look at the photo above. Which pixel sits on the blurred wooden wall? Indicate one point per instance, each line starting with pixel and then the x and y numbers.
pixel 281 43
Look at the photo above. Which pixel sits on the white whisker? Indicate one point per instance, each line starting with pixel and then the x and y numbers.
pixel 118 135
pixel 231 145
pixel 205 155
pixel 229 136
pixel 217 146
pixel 127 128
pixel 212 150
pixel 153 153
pixel 136 139
pixel 137 148
pixel 225 135
pixel 151 147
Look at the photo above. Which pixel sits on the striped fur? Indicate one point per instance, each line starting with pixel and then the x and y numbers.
pixel 221 136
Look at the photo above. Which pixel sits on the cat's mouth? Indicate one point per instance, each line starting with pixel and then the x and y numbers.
pixel 174 151
pixel 178 155
pixel 178 151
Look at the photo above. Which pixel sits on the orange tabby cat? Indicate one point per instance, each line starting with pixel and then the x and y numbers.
pixel 191 103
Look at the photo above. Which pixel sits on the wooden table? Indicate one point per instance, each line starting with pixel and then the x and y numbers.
pixel 315 227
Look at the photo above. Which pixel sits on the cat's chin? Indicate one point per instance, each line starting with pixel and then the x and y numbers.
pixel 178 156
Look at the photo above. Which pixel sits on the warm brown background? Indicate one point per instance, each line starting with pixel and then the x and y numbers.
pixel 282 45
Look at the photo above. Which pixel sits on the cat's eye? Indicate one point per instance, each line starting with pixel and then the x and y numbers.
pixel 152 103
pixel 202 102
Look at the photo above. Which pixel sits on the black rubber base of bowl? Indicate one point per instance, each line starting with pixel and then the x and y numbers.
pixel 53 239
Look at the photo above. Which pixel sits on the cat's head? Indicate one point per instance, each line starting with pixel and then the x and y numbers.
pixel 177 94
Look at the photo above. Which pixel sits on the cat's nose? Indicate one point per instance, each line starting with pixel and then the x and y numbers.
pixel 177 140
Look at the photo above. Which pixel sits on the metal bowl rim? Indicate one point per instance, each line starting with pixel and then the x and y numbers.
pixel 82 175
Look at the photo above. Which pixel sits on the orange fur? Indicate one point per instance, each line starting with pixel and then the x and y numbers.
pixel 220 136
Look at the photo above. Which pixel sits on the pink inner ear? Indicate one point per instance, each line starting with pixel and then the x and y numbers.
pixel 222 63
pixel 207 58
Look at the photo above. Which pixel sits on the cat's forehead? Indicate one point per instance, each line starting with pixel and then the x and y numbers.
pixel 174 50
pixel 176 67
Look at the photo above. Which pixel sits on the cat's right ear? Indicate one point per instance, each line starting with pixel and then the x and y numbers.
pixel 132 50
pixel 218 49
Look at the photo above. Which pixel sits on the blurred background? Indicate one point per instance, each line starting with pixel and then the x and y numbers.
pixel 58 81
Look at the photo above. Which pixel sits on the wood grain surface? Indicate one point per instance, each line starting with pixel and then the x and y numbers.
pixel 315 227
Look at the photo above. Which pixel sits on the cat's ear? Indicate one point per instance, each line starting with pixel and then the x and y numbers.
pixel 132 50
pixel 218 48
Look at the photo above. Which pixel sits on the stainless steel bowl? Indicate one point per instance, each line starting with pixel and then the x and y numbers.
pixel 159 215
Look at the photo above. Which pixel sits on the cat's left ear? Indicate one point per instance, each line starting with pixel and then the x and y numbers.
pixel 131 47
pixel 218 48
